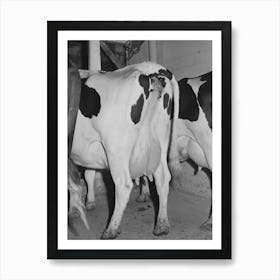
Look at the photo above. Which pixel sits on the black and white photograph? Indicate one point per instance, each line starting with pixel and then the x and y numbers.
pixel 142 164
pixel 117 129
pixel 139 140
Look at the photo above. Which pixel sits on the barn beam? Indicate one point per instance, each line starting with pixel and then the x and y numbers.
pixel 116 41
pixel 94 56
pixel 111 55
pixel 84 74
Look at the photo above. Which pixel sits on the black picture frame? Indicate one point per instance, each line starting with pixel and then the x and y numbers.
pixel 52 139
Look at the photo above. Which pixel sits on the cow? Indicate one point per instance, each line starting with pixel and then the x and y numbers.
pixel 77 193
pixel 194 129
pixel 75 187
pixel 125 124
pixel 194 125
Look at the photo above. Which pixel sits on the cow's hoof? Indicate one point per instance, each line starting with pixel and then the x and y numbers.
pixel 109 234
pixel 90 205
pixel 74 213
pixel 143 198
pixel 207 226
pixel 162 228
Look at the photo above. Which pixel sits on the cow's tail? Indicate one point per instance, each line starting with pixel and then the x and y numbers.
pixel 173 151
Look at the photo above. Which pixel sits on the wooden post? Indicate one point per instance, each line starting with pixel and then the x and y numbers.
pixel 94 56
pixel 152 51
pixel 111 55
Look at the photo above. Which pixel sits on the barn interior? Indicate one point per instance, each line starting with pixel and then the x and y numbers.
pixel 189 198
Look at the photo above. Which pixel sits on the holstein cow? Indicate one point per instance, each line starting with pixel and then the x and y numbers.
pixel 124 124
pixel 194 127
pixel 74 181
pixel 77 193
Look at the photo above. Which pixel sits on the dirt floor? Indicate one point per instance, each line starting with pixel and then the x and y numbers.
pixel 188 208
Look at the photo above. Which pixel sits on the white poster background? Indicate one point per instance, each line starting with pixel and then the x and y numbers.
pixel 23 185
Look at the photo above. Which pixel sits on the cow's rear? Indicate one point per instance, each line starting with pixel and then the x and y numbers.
pixel 194 125
pixel 129 132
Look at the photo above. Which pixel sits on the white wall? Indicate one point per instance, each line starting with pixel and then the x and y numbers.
pixel 185 58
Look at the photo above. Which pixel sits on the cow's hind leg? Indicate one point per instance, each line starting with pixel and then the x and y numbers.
pixel 89 176
pixel 207 225
pixel 123 187
pixel 162 179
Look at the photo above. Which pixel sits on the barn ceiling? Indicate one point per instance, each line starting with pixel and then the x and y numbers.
pixel 114 54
